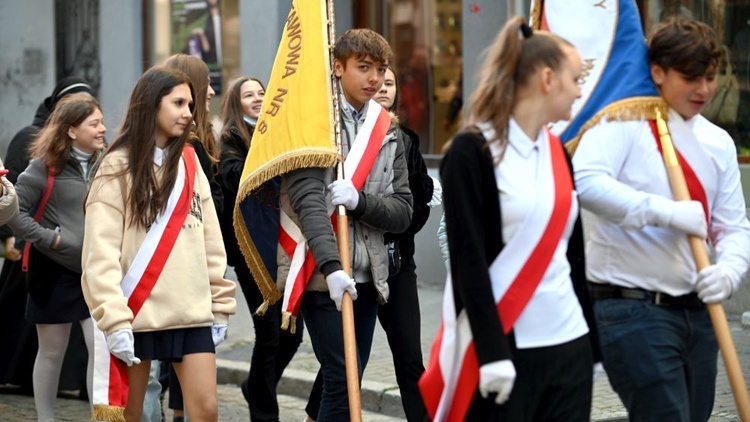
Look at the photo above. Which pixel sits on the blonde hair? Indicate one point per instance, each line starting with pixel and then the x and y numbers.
pixel 512 58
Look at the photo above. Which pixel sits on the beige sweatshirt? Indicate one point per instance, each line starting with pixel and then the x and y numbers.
pixel 191 290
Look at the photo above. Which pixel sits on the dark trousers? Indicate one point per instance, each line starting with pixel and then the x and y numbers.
pixel 660 361
pixel 272 352
pixel 323 322
pixel 552 384
pixel 400 319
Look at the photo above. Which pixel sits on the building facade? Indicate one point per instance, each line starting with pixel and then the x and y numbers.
pixel 438 46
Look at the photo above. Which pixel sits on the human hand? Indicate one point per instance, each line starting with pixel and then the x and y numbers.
pixel 497 377
pixel 713 285
pixel 689 217
pixel 11 253
pixel 122 345
pixel 598 371
pixel 338 282
pixel 437 193
pixel 218 333
pixel 344 193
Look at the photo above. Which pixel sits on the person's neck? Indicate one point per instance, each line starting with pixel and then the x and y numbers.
pixel 357 107
pixel 529 118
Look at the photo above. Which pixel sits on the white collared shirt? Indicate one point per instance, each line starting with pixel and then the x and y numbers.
pixel 159 156
pixel 618 170
pixel 553 315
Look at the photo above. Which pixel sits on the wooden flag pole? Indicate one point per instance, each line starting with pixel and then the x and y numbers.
pixel 342 235
pixel 715 310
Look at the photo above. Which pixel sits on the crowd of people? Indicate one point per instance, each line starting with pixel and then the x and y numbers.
pixel 129 241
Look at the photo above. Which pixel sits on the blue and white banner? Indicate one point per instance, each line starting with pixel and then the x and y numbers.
pixel 616 81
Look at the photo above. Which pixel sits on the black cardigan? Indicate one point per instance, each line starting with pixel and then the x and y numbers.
pixel 473 222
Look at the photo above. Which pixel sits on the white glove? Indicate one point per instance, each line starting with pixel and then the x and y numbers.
pixel 122 345
pixel 685 216
pixel 598 371
pixel 713 285
pixel 497 377
pixel 218 333
pixel 339 282
pixel 437 193
pixel 344 193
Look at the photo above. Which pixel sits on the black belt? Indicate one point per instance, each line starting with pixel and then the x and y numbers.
pixel 609 291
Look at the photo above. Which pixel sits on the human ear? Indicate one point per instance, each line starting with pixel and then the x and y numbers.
pixel 546 79
pixel 71 133
pixel 338 68
pixel 657 74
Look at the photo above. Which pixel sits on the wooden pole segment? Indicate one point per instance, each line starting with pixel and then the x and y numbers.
pixel 680 192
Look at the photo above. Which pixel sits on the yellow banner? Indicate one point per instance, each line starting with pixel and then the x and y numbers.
pixel 295 129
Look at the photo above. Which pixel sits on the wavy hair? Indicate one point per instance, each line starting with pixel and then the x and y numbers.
pixel 53 145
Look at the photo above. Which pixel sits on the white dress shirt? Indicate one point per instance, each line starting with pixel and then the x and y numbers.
pixel 620 177
pixel 553 315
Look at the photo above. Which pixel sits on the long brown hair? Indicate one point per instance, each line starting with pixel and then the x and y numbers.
pixel 232 114
pixel 147 195
pixel 53 145
pixel 511 60
pixel 197 71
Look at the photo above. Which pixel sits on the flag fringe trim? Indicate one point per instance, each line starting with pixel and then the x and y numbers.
pixel 536 15
pixel 108 413
pixel 300 158
pixel 628 109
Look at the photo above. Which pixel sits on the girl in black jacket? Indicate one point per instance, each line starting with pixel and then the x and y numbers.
pixel 274 348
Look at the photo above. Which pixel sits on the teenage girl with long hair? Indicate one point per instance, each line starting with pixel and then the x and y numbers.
pixel 186 305
pixel 517 276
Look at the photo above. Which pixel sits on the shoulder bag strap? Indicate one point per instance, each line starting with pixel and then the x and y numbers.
pixel 38 216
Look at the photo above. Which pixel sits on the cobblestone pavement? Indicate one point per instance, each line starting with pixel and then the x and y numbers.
pixel 232 408
pixel 380 396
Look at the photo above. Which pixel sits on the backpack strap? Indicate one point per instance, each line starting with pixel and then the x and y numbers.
pixel 38 216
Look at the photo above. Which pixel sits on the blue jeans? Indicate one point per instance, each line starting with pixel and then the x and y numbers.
pixel 151 402
pixel 323 322
pixel 660 361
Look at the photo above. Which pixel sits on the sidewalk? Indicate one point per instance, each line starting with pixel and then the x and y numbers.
pixel 379 389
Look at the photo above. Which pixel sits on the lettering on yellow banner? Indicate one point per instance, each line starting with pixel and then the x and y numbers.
pixel 294 35
pixel 277 100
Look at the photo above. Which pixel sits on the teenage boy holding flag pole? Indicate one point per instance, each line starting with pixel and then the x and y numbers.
pixel 285 207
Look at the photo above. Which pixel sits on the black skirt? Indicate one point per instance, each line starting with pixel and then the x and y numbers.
pixel 172 345
pixel 64 304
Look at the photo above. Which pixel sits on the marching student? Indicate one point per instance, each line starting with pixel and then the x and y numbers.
pixel 152 245
pixel 517 317
pixel 658 344
pixel 382 203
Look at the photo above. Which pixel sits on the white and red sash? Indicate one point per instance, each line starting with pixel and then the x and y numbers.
pixel 110 389
pixel 357 166
pixel 452 376
pixel 697 193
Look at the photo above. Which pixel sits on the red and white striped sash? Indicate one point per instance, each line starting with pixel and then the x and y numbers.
pixel 697 193
pixel 357 166
pixel 452 375
pixel 110 389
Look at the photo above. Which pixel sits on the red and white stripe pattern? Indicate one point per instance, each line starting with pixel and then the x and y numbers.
pixel 110 388
pixel 452 376
pixel 358 163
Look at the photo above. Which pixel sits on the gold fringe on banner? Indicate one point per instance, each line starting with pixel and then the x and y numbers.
pixel 300 158
pixel 629 109
pixel 108 413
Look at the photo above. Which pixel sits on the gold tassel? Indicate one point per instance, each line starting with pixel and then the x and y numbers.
pixel 300 158
pixel 536 15
pixel 262 308
pixel 289 322
pixel 629 109
pixel 108 413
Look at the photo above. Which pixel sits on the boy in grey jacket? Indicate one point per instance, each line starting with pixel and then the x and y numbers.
pixel 384 204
